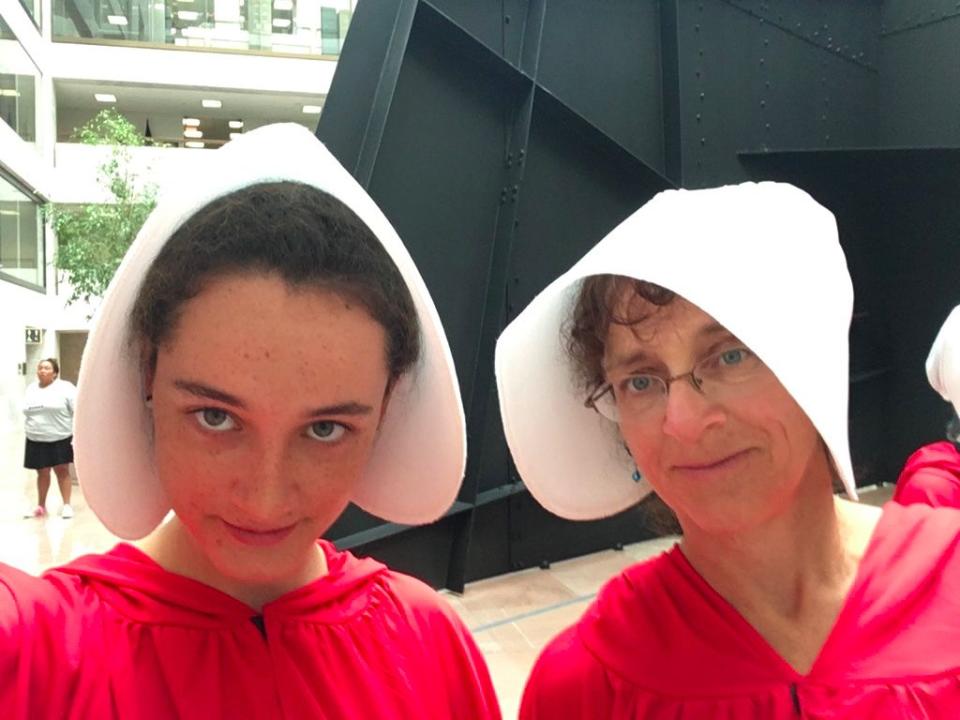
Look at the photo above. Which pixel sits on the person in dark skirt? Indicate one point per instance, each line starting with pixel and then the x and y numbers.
pixel 48 407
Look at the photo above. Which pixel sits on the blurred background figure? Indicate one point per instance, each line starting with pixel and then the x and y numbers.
pixel 48 407
pixel 932 474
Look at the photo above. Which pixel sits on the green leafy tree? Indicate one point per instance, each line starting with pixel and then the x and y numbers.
pixel 93 238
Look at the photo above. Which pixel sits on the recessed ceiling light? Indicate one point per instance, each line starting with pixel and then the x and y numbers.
pixel 212 103
pixel 188 15
pixel 194 144
pixel 193 133
pixel 9 92
pixel 312 109
pixel 283 4
pixel 235 124
pixel 117 19
pixel 282 22
pixel 191 121
pixel 105 97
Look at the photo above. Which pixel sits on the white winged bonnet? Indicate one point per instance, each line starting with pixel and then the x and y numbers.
pixel 419 455
pixel 763 259
pixel 943 362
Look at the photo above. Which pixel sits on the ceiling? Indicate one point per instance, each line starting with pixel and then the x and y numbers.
pixel 165 106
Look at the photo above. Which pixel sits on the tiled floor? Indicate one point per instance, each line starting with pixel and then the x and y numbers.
pixel 512 616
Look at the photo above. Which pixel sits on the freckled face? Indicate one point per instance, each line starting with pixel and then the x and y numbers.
pixel 266 403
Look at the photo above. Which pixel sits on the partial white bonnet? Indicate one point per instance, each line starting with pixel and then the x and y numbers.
pixel 763 259
pixel 943 362
pixel 420 453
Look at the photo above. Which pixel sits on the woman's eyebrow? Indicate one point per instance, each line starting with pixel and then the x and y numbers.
pixel 347 408
pixel 205 391
pixel 212 393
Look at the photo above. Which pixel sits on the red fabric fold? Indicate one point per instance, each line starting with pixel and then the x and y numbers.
pixel 660 644
pixel 117 636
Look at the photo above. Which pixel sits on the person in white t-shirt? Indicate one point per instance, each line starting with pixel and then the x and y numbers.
pixel 48 407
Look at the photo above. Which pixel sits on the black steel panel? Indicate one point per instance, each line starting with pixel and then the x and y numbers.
pixel 920 93
pixel 440 171
pixel 837 27
pixel 746 83
pixel 603 60
pixel 498 179
pixel 898 222
pixel 579 184
pixel 539 538
pixel 423 552
pixel 498 25
pixel 905 15
pixel 372 52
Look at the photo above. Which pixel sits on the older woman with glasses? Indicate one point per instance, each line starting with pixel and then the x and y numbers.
pixel 700 350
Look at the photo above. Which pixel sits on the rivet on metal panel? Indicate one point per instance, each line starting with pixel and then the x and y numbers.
pixel 700 52
pixel 523 152
pixel 762 61
pixel 696 28
pixel 698 117
pixel 516 223
pixel 823 117
pixel 767 126
pixel 767 84
pixel 703 141
pixel 766 43
pixel 702 96
pixel 828 138
pixel 506 19
pixel 763 103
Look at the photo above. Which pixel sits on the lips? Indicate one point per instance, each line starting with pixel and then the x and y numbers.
pixel 711 465
pixel 257 537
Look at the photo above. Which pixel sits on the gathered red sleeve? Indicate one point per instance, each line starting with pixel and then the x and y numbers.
pixel 930 476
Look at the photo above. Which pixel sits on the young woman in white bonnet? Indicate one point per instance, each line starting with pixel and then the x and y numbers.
pixel 266 353
pixel 701 350
pixel 931 475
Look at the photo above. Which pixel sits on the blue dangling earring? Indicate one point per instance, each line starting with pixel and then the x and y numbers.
pixel 636 477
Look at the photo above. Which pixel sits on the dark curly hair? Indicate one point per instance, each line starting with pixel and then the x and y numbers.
pixel 305 235
pixel 597 307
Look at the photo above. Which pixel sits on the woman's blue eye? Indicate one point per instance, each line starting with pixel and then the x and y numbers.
pixel 732 357
pixel 640 383
pixel 326 431
pixel 214 419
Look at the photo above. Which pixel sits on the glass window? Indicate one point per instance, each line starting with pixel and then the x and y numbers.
pixel 33 10
pixel 18 107
pixel 309 27
pixel 21 237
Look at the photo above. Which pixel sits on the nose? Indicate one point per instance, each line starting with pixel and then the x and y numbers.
pixel 689 413
pixel 263 488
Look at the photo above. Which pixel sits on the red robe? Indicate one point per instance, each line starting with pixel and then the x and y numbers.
pixel 931 476
pixel 660 644
pixel 117 636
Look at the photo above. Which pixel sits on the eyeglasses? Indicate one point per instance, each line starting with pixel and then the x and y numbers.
pixel 720 375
